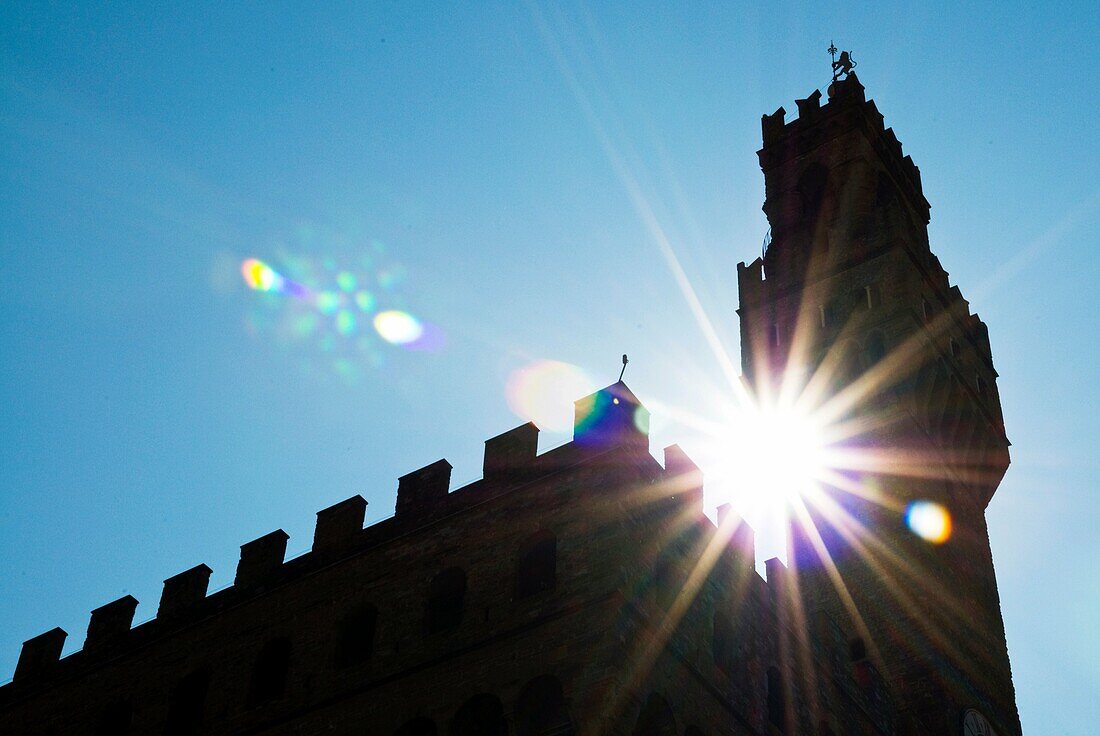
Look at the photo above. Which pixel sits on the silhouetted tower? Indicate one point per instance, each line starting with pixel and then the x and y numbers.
pixel 849 305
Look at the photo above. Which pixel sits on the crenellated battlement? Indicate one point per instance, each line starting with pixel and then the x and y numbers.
pixel 511 463
pixel 847 108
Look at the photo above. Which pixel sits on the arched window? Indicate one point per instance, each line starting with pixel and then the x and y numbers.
pixel 655 718
pixel 538 565
pixel 481 715
pixel 115 719
pixel 446 598
pixel 186 703
pixel 777 700
pixel 355 638
pixel 269 672
pixel 925 310
pixel 955 350
pixel 417 727
pixel 874 349
pixel 722 642
pixel 979 383
pixel 540 709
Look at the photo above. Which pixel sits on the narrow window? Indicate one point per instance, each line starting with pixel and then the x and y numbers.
pixel 722 642
pixel 541 711
pixel 777 701
pixel 115 720
pixel 446 597
pixel 848 359
pixel 979 383
pixel 417 727
pixel 875 349
pixel 655 719
pixel 481 715
pixel 186 703
pixel 355 638
pixel 538 563
pixel 857 650
pixel 821 310
pixel 926 310
pixel 955 350
pixel 269 672
pixel 811 190
pixel 664 581
pixel 775 335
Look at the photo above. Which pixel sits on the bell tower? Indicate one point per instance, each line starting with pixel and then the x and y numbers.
pixel 850 311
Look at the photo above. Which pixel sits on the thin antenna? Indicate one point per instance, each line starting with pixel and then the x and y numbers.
pixel 625 361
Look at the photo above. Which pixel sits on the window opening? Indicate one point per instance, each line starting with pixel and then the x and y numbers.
pixel 446 598
pixel 537 570
pixel 186 703
pixel 355 640
pixel 269 672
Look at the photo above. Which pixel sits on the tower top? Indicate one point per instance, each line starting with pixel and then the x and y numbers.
pixel 611 416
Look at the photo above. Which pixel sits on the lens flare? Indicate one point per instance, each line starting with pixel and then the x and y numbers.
pixel 929 521
pixel 397 327
pixel 544 392
pixel 347 280
pixel 328 302
pixel 260 276
pixel 345 322
pixel 365 301
pixel 343 309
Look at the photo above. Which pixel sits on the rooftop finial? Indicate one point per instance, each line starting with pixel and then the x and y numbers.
pixel 844 65
pixel 623 371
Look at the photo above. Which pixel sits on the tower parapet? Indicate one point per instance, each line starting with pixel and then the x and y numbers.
pixel 421 489
pixel 837 186
pixel 339 525
pixel 110 622
pixel 40 654
pixel 261 560
pixel 183 593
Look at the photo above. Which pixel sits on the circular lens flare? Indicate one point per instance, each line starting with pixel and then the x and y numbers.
pixel 397 327
pixel 929 521
pixel 544 391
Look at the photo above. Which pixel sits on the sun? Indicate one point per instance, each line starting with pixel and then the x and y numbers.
pixel 770 456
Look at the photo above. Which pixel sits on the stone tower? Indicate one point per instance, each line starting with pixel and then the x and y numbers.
pixel 850 308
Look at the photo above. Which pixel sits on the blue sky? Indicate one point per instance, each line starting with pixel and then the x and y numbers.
pixel 510 170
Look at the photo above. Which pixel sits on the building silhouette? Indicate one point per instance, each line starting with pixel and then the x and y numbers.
pixel 583 590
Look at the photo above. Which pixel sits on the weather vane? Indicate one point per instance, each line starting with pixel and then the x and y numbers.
pixel 623 371
pixel 844 65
